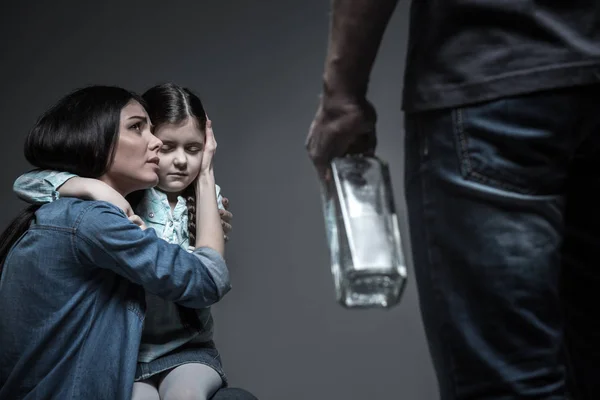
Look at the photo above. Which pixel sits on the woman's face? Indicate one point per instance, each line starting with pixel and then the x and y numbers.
pixel 180 155
pixel 135 164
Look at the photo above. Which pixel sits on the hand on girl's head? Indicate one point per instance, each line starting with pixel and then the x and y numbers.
pixel 210 147
pixel 210 134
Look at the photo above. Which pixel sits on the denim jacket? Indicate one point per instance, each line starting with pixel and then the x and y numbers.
pixel 72 300
pixel 163 331
pixel 41 186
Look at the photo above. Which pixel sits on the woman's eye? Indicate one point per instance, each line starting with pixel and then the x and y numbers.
pixel 136 127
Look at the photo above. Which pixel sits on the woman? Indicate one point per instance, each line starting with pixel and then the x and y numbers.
pixel 177 353
pixel 73 272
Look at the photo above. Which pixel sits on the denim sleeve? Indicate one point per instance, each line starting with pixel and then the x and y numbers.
pixel 107 239
pixel 40 186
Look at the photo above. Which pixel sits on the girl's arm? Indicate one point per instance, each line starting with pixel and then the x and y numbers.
pixel 45 186
pixel 42 186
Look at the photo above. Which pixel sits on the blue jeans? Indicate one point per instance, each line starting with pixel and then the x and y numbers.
pixel 504 209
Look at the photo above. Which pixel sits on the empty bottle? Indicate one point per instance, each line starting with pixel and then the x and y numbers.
pixel 367 261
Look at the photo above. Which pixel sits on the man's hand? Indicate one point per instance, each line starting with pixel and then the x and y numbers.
pixel 345 121
pixel 341 127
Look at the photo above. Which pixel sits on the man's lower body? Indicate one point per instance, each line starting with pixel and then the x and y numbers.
pixel 504 210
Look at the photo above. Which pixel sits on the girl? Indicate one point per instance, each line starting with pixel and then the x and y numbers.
pixel 177 357
pixel 72 271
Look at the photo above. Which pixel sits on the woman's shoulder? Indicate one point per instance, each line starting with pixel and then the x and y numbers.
pixel 98 213
pixel 69 212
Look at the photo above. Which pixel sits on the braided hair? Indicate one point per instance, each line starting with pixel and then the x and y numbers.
pixel 190 198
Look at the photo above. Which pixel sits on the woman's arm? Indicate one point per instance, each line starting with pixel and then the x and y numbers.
pixel 106 239
pixel 208 221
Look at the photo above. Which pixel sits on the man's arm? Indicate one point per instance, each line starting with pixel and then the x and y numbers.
pixel 356 31
pixel 345 120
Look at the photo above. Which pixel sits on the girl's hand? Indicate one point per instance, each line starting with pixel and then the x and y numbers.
pixel 98 190
pixel 138 221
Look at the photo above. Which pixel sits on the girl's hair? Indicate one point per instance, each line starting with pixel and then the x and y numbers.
pixel 78 134
pixel 172 104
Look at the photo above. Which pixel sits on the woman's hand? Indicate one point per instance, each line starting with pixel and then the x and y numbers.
pixel 209 228
pixel 210 148
pixel 226 217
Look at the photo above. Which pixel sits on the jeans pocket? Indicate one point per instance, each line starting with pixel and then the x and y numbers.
pixel 513 145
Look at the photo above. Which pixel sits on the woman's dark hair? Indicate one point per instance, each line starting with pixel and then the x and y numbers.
pixel 78 135
pixel 172 104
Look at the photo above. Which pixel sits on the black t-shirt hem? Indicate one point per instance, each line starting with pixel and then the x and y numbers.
pixel 428 98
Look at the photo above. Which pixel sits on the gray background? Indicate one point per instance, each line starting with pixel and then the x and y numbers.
pixel 257 67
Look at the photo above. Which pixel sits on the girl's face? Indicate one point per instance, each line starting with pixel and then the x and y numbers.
pixel 135 165
pixel 180 155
